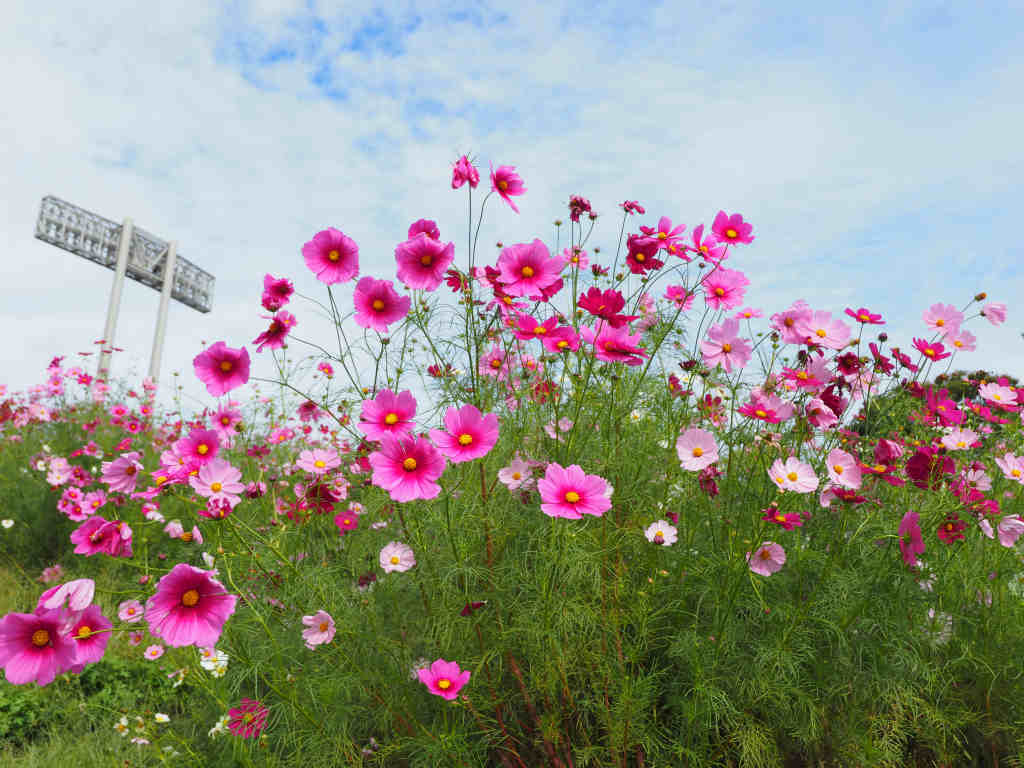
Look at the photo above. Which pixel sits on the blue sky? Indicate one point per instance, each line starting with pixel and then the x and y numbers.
pixel 875 149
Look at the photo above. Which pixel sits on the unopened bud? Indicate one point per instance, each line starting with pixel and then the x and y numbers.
pixel 981 297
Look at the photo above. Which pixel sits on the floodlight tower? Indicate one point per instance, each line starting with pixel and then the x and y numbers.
pixel 131 251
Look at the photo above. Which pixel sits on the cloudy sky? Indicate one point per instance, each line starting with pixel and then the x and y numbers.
pixel 876 150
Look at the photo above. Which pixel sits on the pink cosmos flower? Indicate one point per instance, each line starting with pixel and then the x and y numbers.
pixel 332 255
pixel 911 544
pixel 464 171
pixel 280 326
pixel 73 597
pixel 571 493
pixel 614 345
pixel 494 363
pixel 767 559
pixel 706 247
pixel 766 407
pixel 422 261
pixel 516 475
pixel 664 237
pixel 748 313
pixel 933 352
pixel 189 607
pixel 865 316
pixel 786 322
pixel 90 633
pixel 346 521
pixel 377 304
pixel 697 449
pixel 732 229
pixel 34 647
pixel 321 629
pixel 794 475
pixel 201 446
pixel 218 481
pixel 561 339
pixel 506 183
pixel 222 368
pixel 661 532
pixel 248 719
pixel 575 257
pixel 997 394
pixel 724 288
pixel 525 269
pixel 724 346
pixel 396 557
pixel 819 414
pixel 276 292
pixel 680 297
pixel 943 318
pixel 470 435
pixel 98 536
pixel 994 312
pixel 821 329
pixel 964 341
pixel 130 611
pixel 122 473
pixel 1010 529
pixel 388 414
pixel 443 678
pixel 1012 467
pixel 407 468
pixel 843 469
pixel 318 461
pixel 959 439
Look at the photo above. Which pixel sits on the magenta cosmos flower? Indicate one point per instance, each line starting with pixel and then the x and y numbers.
pixel 470 435
pixel 218 480
pixel 201 446
pixel 724 346
pixel 320 629
pixel 464 171
pixel 615 345
pixel 794 475
pixel 506 182
pixel 571 493
pixel 422 261
pixel 443 678
pixel 767 559
pixel 222 368
pixel 911 544
pixel 122 473
pixel 90 634
pixel 697 449
pixel 388 414
pixel 277 291
pixel 724 288
pixel 332 255
pixel 397 557
pixel 407 468
pixel 732 229
pixel 377 304
pixel 248 719
pixel 525 269
pixel 280 326
pixel 189 607
pixel 33 647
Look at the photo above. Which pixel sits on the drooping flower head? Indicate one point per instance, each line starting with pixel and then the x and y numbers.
pixel 422 261
pixel 467 435
pixel 190 607
pixel 571 493
pixel 276 292
pixel 465 171
pixel 378 305
pixel 443 678
pixel 994 312
pixel 388 414
pixel 222 368
pixel 332 255
pixel 407 468
pixel 506 182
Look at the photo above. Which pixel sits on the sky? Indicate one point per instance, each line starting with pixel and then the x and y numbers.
pixel 875 149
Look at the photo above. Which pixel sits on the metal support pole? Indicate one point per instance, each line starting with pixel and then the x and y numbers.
pixel 123 246
pixel 161 318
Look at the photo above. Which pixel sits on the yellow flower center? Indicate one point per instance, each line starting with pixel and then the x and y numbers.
pixel 863 318
pixel 822 333
pixel 319 464
pixel 225 420
pixel 940 322
pixel 495 363
pixel 40 638
pixel 639 257
pixel 572 497
pixel 333 255
pixel 1015 472
pixel 391 418
pixel 730 233
pixel 526 272
pixel 248 717
pixel 879 467
pixel 698 452
pixel 760 413
pixel 190 598
pixel 791 477
pixel 186 536
pixel 203 449
pixel 961 444
pixel 444 683
pixel 323 626
pixel 377 304
pixel 426 260
pixel 930 352
pixel 719 292
pixel 540 330
pixel 395 560
pixel 518 475
pixel 409 464
pixel 838 468
pixel 465 439
pixel 727 348
pixel 502 185
pixel 225 365
pixel 215 487
pixel 765 554
pixel 562 344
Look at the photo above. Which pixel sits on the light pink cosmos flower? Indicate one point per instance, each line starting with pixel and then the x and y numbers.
pixel 794 475
pixel 318 461
pixel 964 341
pixel 724 346
pixel 122 473
pixel 222 368
pixel 1010 529
pixel 661 532
pixel 680 297
pixel 525 269
pixel 443 678
pixel 332 255
pixel 130 611
pixel 153 652
pixel 997 394
pixel 732 229
pixel 470 434
pixel 943 318
pixel 506 183
pixel 697 449
pixel 994 312
pixel 396 557
pixel 377 304
pixel 959 439
pixel 1012 466
pixel 819 414
pixel 724 288
pixel 464 171
pixel 843 469
pixel 218 481
pixel 321 629
pixel 34 647
pixel 767 559
pixel 615 345
pixel 74 596
pixel 822 329
pixel 517 475
pixel 571 493
pixel 422 261
pixel 786 322
pixel 407 468
pixel 494 363
pixel 388 414
pixel 190 607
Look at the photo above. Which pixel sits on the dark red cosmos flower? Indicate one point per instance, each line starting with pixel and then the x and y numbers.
pixel 927 467
pixel 951 529
pixel 606 305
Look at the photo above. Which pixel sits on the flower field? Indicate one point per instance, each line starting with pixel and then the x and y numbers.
pixel 555 508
